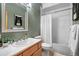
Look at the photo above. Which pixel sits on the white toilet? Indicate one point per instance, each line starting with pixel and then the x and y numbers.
pixel 45 46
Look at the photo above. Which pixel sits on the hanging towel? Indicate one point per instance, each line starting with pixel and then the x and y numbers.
pixel 77 43
pixel 73 38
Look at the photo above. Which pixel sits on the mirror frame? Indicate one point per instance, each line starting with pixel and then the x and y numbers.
pixel 5 20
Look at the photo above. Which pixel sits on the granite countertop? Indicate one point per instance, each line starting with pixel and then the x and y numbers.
pixel 12 49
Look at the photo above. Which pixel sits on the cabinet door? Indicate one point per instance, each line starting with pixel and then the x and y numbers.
pixel 38 52
pixel 39 45
pixel 31 50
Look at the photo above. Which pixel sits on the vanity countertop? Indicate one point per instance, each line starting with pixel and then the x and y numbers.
pixel 12 50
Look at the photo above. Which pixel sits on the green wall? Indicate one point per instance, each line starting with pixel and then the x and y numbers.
pixel 33 25
pixel 34 20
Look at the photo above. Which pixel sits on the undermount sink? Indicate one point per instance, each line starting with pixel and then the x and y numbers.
pixel 23 42
pixel 20 43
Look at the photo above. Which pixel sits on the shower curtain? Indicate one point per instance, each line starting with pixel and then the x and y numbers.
pixel 46 28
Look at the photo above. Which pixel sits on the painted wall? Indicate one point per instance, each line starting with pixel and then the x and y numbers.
pixel 33 25
pixel 34 20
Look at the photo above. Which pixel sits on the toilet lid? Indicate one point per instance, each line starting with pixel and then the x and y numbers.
pixel 46 45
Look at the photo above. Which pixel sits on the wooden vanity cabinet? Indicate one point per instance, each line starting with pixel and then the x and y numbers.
pixel 30 50
pixel 38 53
pixel 34 50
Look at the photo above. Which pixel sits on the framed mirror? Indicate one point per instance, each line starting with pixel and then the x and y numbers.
pixel 14 17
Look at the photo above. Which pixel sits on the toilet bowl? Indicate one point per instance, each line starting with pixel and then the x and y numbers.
pixel 46 47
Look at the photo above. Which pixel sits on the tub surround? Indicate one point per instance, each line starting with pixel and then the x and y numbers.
pixel 13 50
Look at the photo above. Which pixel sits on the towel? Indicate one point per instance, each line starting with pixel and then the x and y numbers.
pixel 77 43
pixel 73 38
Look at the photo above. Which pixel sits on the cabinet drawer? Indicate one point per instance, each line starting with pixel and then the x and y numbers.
pixel 31 50
pixel 38 52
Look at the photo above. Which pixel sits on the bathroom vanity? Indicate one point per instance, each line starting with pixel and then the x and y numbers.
pixel 33 50
pixel 30 47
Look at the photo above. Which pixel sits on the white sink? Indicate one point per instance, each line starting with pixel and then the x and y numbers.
pixel 23 42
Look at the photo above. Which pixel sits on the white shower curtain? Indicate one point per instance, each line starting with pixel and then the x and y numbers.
pixel 46 28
